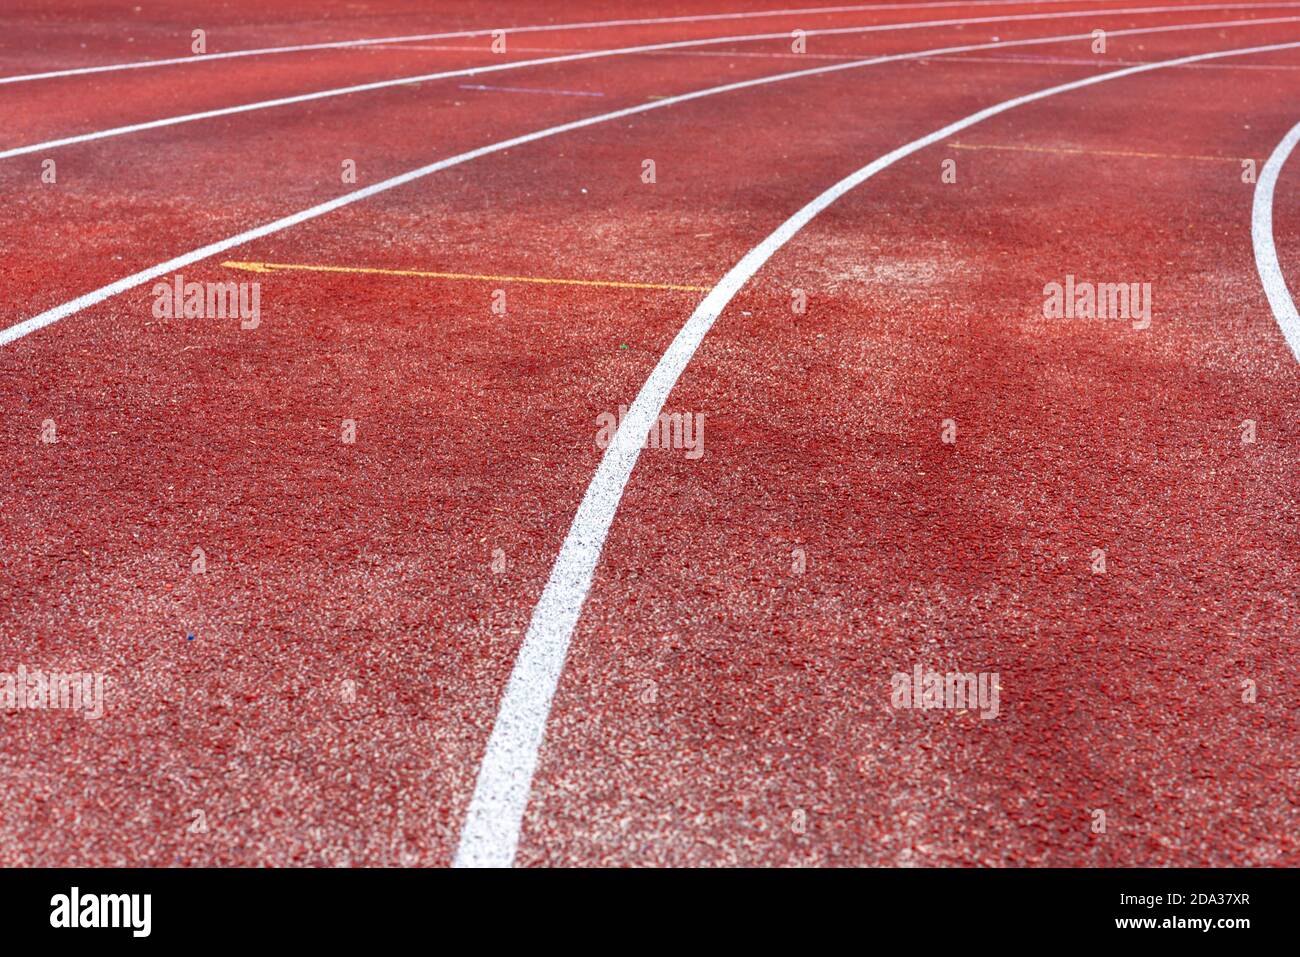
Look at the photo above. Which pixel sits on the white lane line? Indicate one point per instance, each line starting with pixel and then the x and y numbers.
pixel 1082 61
pixel 490 836
pixel 1261 236
pixel 48 145
pixel 527 89
pixel 73 306
pixel 538 28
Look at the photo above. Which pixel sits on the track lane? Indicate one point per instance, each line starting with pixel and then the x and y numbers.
pixel 55 313
pixel 493 68
pixel 771 690
pixel 676 23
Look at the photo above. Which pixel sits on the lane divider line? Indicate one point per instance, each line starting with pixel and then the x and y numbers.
pixel 536 28
pixel 116 131
pixel 419 273
pixel 527 89
pixel 1261 237
pixel 96 296
pixel 1080 61
pixel 1072 151
pixel 490 835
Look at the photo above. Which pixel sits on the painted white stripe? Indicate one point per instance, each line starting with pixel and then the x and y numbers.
pixel 74 306
pixel 527 89
pixel 1261 235
pixel 539 28
pixel 490 836
pixel 1082 61
pixel 48 145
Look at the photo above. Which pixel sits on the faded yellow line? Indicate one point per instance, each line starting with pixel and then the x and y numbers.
pixel 1069 151
pixel 605 283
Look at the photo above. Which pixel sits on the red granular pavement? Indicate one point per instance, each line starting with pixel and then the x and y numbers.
pixel 351 637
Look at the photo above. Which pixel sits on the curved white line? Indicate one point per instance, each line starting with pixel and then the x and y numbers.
pixel 48 145
pixel 539 28
pixel 1261 235
pixel 62 311
pixel 490 836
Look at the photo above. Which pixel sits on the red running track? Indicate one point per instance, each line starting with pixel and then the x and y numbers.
pixel 351 636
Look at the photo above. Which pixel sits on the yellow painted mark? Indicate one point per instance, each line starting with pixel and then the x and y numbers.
pixel 1067 151
pixel 363 270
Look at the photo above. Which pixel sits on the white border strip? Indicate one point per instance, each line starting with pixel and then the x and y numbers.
pixel 490 836
pixel 115 131
pixel 28 326
pixel 1261 236
pixel 539 28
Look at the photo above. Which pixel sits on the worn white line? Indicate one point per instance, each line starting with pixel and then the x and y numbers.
pixel 1261 235
pixel 62 311
pixel 490 836
pixel 527 89
pixel 48 145
pixel 536 28
pixel 1094 62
